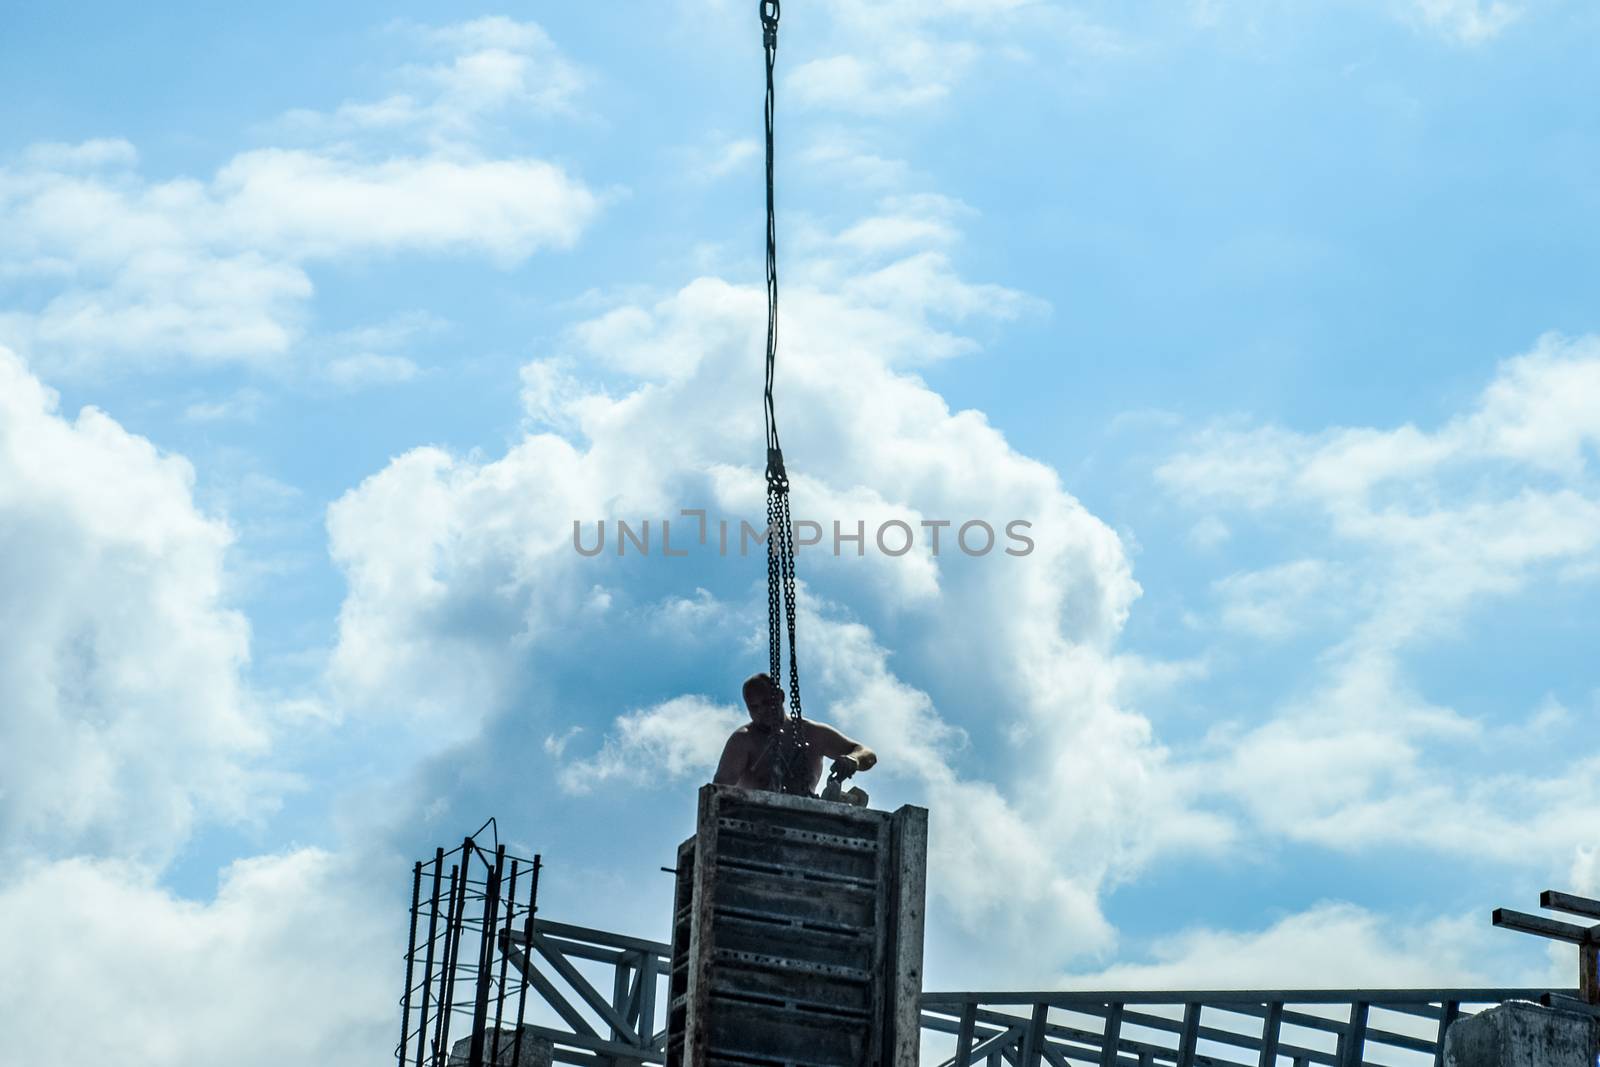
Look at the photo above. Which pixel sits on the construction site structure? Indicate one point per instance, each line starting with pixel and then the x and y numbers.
pixel 797 933
pixel 489 984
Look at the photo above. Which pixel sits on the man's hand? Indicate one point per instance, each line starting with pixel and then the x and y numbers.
pixel 849 756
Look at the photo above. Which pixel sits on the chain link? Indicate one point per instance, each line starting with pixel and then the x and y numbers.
pixel 774 584
pixel 789 605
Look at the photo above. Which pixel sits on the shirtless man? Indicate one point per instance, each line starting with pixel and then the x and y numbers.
pixel 747 757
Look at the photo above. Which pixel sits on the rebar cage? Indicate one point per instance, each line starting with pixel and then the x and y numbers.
pixel 467 905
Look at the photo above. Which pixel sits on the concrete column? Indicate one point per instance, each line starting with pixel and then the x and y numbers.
pixel 1522 1034
pixel 536 1051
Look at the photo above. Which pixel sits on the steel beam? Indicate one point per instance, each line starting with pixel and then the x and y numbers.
pixel 1269 1035
pixel 1229 998
pixel 969 1015
pixel 1113 1031
pixel 1034 1039
pixel 552 996
pixel 1570 903
pixel 1190 1033
pixel 581 986
pixel 1551 928
pixel 1352 1043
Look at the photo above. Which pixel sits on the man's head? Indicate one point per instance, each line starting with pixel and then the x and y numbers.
pixel 764 699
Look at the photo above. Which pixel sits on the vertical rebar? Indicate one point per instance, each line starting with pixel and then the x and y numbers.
pixel 527 948
pixel 427 966
pixel 411 960
pixel 444 962
pixel 452 951
pixel 505 958
pixel 480 999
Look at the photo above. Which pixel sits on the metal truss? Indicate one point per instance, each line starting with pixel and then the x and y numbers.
pixel 624 1026
pixel 1211 1028
pixel 614 1030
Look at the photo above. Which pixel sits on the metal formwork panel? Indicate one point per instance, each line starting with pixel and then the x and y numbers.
pixel 678 961
pixel 797 934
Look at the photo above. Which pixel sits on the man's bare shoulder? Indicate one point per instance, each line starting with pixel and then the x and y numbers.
pixel 744 735
pixel 738 753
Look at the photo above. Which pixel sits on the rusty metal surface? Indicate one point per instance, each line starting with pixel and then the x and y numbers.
pixel 678 958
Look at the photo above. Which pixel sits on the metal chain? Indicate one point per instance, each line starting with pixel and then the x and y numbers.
pixel 789 603
pixel 788 766
pixel 774 584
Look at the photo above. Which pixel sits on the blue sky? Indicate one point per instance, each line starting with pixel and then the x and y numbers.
pixel 321 327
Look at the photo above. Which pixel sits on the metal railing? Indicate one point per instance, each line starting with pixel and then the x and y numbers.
pixel 614 1015
pixel 1209 1028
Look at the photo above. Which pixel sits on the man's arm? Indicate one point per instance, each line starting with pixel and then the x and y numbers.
pixel 735 757
pixel 835 745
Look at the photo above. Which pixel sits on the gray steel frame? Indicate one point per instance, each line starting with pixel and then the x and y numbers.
pixel 1587 938
pixel 627 1017
pixel 1201 1028
pixel 1204 1028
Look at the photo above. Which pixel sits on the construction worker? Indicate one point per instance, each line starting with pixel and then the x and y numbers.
pixel 747 757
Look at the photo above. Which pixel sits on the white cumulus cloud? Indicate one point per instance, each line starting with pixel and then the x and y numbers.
pixel 131 270
pixel 1417 530
pixel 282 966
pixel 674 739
pixel 465 588
pixel 126 719
pixel 1330 945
